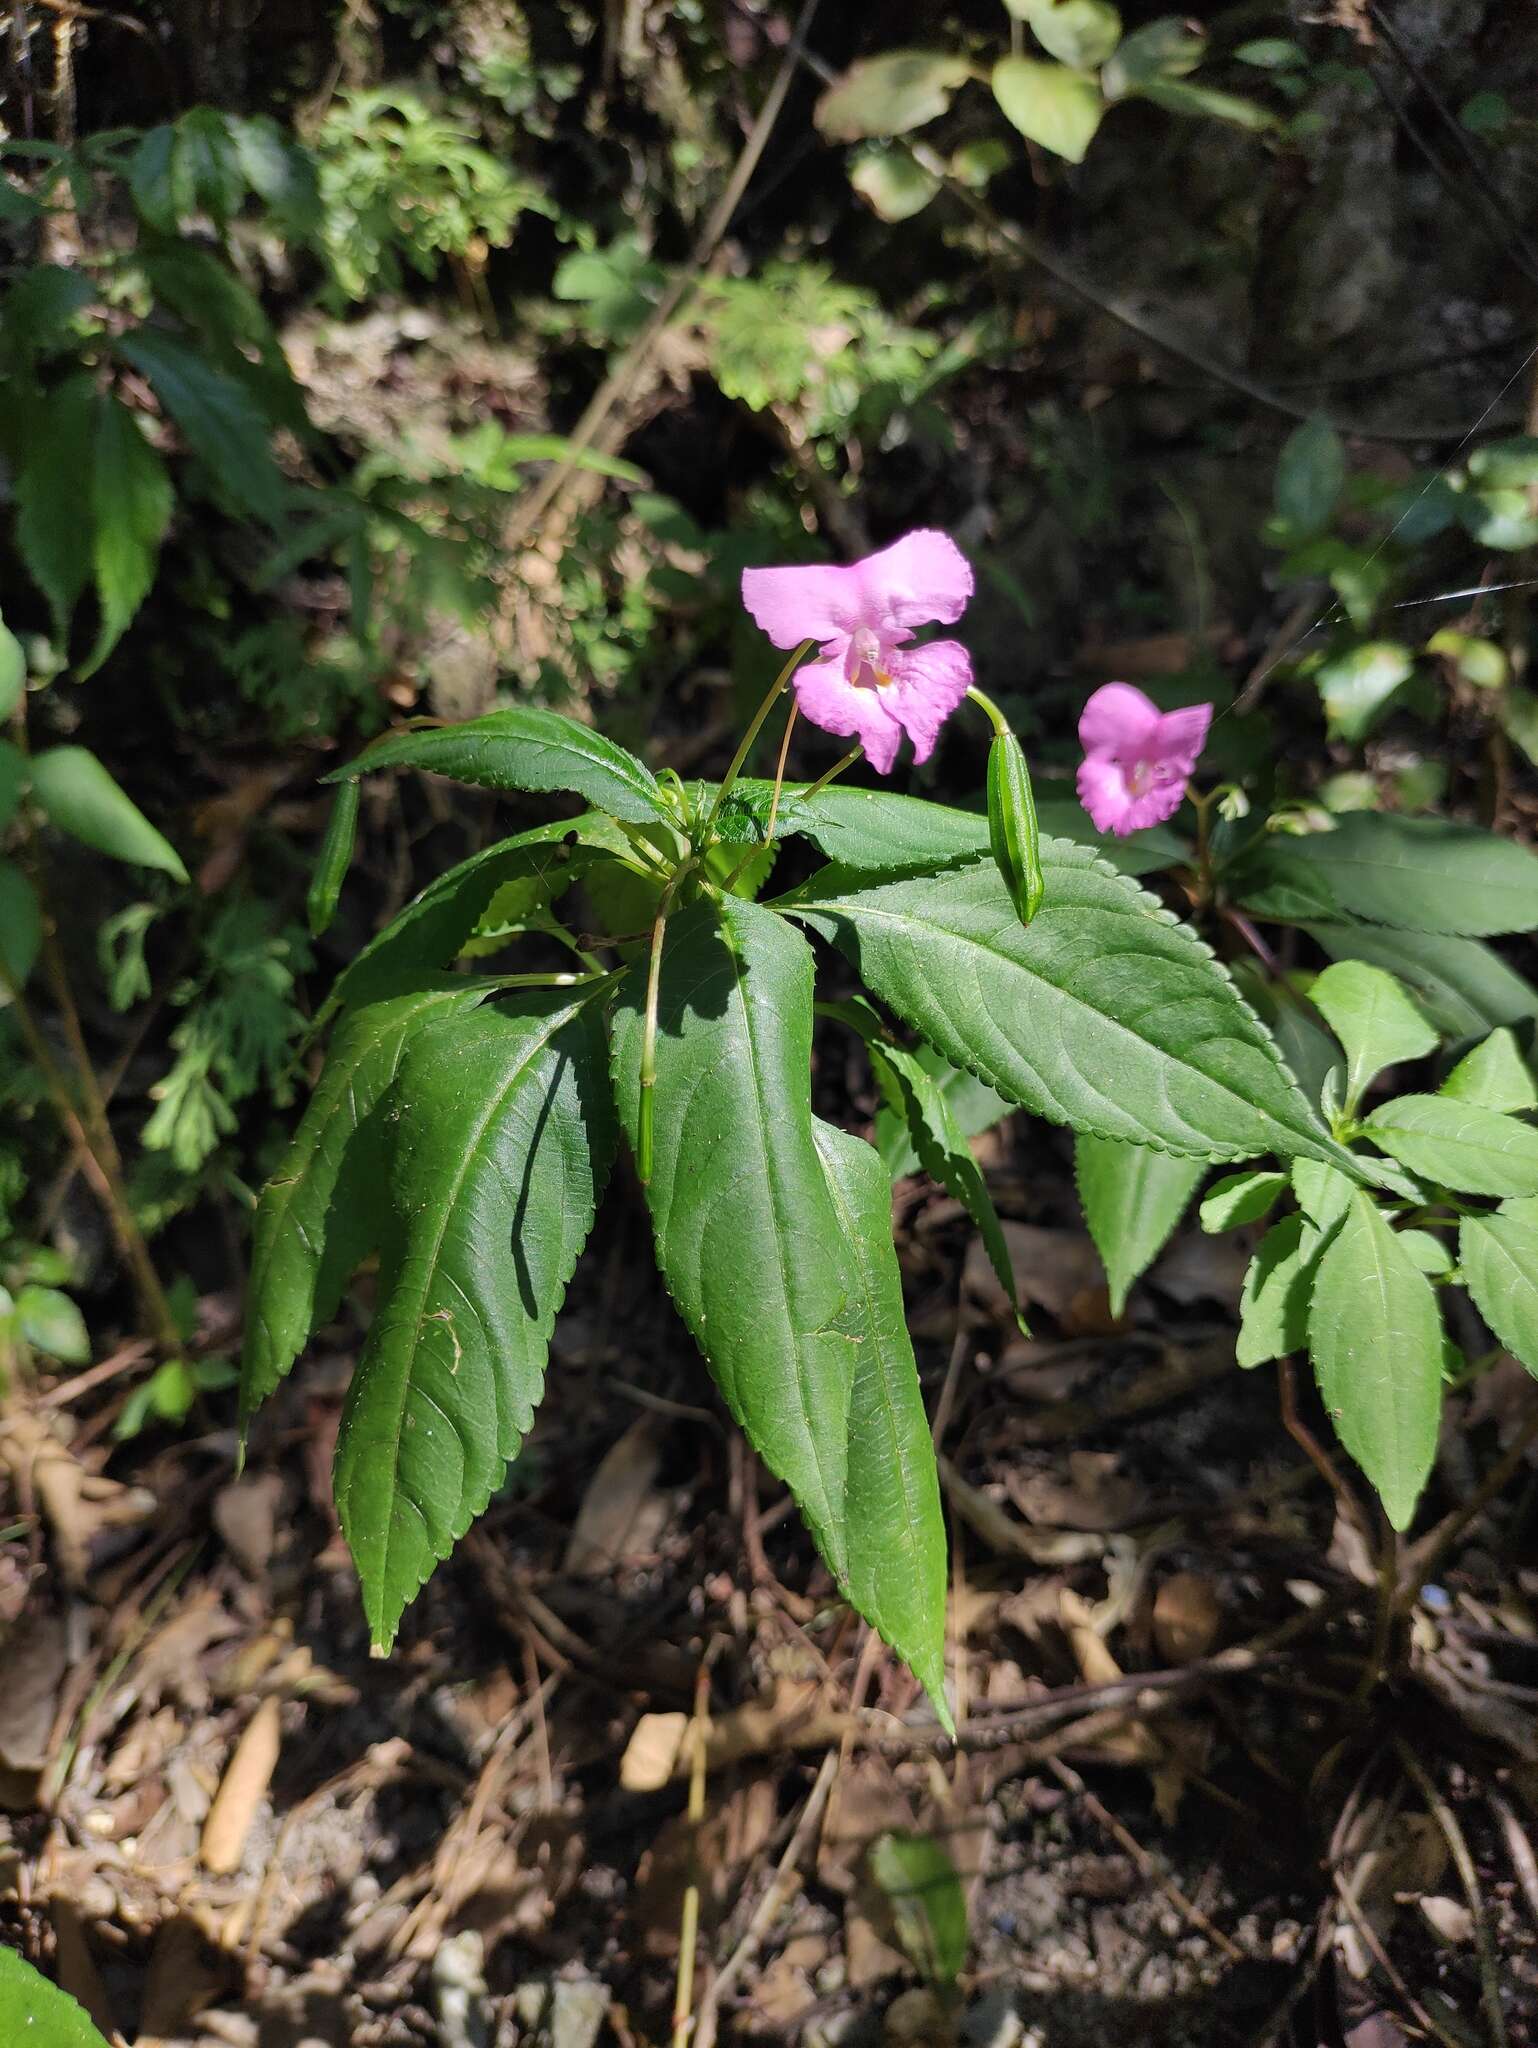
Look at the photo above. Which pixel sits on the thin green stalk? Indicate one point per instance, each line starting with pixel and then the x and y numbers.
pixel 646 1127
pixel 1000 723
pixel 752 733
pixel 814 789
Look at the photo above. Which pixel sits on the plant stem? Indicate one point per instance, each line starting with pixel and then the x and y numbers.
pixel 837 769
pixel 981 698
pixel 752 733
pixel 645 1147
pixel 779 771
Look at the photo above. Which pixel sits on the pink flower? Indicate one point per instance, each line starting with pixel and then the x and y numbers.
pixel 1136 759
pixel 868 680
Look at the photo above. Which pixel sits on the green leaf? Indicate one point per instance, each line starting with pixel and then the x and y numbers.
pixel 51 1322
pixel 890 94
pixel 896 1528
pixel 1013 832
pixel 1415 874
pixel 13 672
pixel 1376 1341
pixel 335 858
pixel 971 1105
pixel 1458 1144
pixel 1358 686
pixel 522 748
pixel 1465 988
pixel 1052 106
pixel 82 798
pixel 912 1091
pixel 21 927
pixel 130 511
pixel 1179 96
pixel 315 1221
pixel 1501 519
pixel 1310 476
pixel 500 1132
pixel 1481 663
pixel 1374 1020
pixel 1323 1192
pixel 48 491
pixel 1506 465
pixel 1083 33
pixel 1139 853
pixel 1167 48
pixel 892 184
pixel 216 415
pixel 928 1905
pixel 38 2014
pixel 1273 1307
pixel 14 770
pixel 1103 1013
pixel 1499 1258
pixel 1494 1074
pixel 1240 1198
pixel 432 929
pixel 1133 1197
pixel 748 1238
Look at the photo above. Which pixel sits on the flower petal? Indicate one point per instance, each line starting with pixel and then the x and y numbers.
pixel 922 578
pixel 927 684
pixel 830 700
pixel 1106 794
pixel 813 601
pixel 1181 736
pixel 1118 719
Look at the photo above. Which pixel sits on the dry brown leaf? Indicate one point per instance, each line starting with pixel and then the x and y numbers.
pixel 1187 1615
pixel 652 1752
pixel 1201 1268
pixel 35 1658
pixel 1007 1537
pixel 622 1512
pixel 241 1791
pixel 246 1515
pixel 79 1506
pixel 1450 1919
pixel 1097 1494
pixel 866 1801
pixel 1058 1270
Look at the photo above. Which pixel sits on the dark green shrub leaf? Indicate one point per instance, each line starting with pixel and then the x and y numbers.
pixel 21 926
pixel 37 2014
pixel 1458 1144
pixel 889 94
pixel 500 1131
pixel 14 771
pixel 523 748
pixel 1133 1197
pixel 1499 1258
pixel 308 1238
pixel 48 490
pixel 896 1529
pixel 1179 96
pixel 1167 48
pixel 1273 1307
pixel 81 798
pixel 1310 475
pixel 335 858
pixel 1510 465
pixel 892 184
pixel 971 1106
pixel 1376 1341
pixel 1051 105
pixel 1103 982
pixel 217 417
pixel 1082 33
pixel 130 511
pixel 748 1238
pixel 1415 874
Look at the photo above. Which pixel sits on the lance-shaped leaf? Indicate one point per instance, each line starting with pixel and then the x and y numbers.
pixel 896 1527
pixel 748 1238
pixel 1374 1020
pixel 971 1105
pixel 914 1092
pixel 1133 1197
pixel 82 798
pixel 313 1224
pixel 37 2013
pixel 1458 1144
pixel 334 860
pixel 1103 1013
pixel 500 1135
pixel 1494 1074
pixel 433 927
pixel 130 500
pixel 1463 986
pixel 1376 1341
pixel 1499 1257
pixel 525 748
pixel 1415 874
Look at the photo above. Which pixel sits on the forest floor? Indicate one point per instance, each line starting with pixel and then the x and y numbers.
pixel 1218 1780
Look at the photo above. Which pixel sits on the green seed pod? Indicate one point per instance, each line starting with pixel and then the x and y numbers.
pixel 335 857
pixel 13 672
pixel 1012 829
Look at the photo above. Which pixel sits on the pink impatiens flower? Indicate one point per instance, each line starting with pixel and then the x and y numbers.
pixel 1136 758
pixel 868 680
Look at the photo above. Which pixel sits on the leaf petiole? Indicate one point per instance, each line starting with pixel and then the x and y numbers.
pixel 646 1125
pixel 751 735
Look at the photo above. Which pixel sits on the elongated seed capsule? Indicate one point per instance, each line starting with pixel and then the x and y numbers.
pixel 335 857
pixel 1013 832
